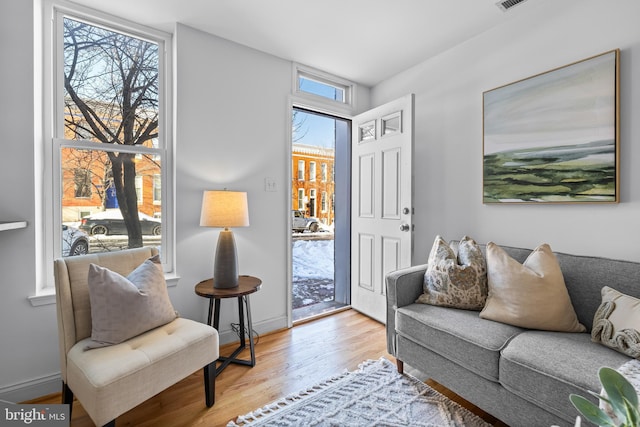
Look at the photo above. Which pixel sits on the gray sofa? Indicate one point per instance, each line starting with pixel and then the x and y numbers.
pixel 523 377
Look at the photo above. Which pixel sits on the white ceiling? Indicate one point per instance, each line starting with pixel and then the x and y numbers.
pixel 365 41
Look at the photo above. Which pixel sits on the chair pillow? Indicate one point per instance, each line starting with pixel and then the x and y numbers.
pixel 455 281
pixel 531 295
pixel 617 322
pixel 124 307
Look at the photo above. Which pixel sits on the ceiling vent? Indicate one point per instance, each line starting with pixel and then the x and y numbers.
pixel 505 5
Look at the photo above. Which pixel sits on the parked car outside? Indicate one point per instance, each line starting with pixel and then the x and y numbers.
pixel 74 241
pixel 300 223
pixel 111 222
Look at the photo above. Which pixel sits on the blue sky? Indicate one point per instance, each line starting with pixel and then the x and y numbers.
pixel 317 130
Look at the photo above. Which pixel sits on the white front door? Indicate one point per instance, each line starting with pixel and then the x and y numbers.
pixel 381 223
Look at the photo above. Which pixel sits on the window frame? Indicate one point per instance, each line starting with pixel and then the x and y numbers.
pixel 312 171
pixel 345 107
pixel 50 233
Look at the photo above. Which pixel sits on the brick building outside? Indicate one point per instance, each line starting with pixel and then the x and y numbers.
pixel 313 183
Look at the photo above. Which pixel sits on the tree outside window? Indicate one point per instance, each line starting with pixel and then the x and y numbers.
pixel 111 116
pixel 82 181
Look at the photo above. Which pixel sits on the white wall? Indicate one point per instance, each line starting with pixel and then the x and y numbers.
pixel 448 130
pixel 232 132
pixel 28 335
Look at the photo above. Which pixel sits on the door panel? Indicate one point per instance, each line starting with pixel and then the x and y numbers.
pixel 391 184
pixel 366 263
pixel 382 151
pixel 366 186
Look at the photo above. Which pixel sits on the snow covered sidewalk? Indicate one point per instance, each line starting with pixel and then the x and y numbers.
pixel 312 272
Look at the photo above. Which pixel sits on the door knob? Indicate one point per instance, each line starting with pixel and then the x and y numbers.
pixel 404 227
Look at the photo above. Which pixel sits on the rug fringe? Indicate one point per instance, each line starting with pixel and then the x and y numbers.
pixel 367 375
pixel 281 403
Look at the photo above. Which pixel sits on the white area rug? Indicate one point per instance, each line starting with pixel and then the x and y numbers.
pixel 374 395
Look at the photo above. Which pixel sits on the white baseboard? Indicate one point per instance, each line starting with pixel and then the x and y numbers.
pixel 227 335
pixel 32 389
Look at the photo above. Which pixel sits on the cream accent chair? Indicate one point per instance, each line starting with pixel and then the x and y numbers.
pixel 109 381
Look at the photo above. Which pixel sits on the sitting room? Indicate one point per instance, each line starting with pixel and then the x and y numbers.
pixel 161 136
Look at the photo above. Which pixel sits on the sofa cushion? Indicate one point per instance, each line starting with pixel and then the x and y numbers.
pixel 530 295
pixel 617 322
pixel 546 367
pixel 113 378
pixel 459 335
pixel 455 281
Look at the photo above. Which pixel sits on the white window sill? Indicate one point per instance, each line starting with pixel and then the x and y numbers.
pixel 48 296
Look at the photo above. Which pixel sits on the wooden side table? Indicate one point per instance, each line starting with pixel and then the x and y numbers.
pixel 246 286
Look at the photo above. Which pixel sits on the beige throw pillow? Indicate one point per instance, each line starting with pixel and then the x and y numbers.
pixel 531 295
pixel 451 281
pixel 124 307
pixel 617 322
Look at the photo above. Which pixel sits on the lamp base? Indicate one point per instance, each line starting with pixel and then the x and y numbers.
pixel 225 267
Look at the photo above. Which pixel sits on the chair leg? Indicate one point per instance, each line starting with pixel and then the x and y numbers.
pixel 400 365
pixel 67 396
pixel 210 383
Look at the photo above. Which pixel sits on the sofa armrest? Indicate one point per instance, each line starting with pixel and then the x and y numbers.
pixel 404 286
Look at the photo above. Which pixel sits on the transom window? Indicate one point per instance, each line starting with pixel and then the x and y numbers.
pixel 322 86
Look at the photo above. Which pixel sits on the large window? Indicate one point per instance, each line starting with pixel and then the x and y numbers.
pixel 108 150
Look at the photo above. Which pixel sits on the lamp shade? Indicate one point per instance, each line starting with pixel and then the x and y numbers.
pixel 221 208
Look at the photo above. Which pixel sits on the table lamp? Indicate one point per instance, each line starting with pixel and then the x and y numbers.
pixel 224 209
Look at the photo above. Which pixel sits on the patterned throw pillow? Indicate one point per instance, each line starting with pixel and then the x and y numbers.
pixel 455 281
pixel 617 322
pixel 124 307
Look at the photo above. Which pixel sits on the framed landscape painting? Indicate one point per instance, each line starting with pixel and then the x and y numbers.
pixel 553 137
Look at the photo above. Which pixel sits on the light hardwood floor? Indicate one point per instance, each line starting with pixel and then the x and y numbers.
pixel 286 362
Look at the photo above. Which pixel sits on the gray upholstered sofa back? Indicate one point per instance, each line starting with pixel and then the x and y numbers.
pixel 586 275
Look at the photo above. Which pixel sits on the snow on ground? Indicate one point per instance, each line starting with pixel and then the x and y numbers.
pixel 312 259
pixel 312 262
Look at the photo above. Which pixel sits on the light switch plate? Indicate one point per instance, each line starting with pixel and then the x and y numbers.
pixel 269 184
